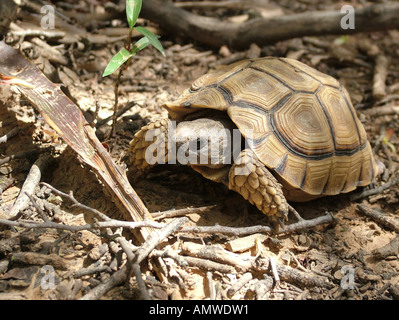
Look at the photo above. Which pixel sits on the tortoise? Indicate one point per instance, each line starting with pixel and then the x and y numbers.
pixel 303 139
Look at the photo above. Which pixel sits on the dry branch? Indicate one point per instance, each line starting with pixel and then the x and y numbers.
pixel 92 226
pixel 262 31
pixel 31 182
pixel 156 237
pixel 118 278
pixel 21 155
pixel 382 111
pixel 180 212
pixel 217 254
pixel 246 263
pixel 380 68
pixel 300 225
pixel 34 258
pixel 369 192
pixel 10 134
pixel 379 217
pixel 205 264
pixel 69 123
pixel 390 249
pixel 380 76
pixel 246 277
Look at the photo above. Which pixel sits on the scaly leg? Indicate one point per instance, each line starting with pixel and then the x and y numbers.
pixel 250 178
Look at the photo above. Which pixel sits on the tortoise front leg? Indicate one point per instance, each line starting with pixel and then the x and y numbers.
pixel 149 146
pixel 250 178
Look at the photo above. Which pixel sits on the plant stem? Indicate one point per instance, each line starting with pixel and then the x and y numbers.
pixel 128 46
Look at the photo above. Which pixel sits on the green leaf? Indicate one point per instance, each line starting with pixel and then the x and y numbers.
pixel 152 38
pixel 341 40
pixel 140 45
pixel 133 8
pixel 117 60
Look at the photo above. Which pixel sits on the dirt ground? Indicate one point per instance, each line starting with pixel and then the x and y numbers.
pixel 339 252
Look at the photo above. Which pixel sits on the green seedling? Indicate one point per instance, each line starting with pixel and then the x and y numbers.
pixel 133 8
pixel 122 58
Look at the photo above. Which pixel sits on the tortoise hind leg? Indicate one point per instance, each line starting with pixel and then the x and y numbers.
pixel 249 177
pixel 149 146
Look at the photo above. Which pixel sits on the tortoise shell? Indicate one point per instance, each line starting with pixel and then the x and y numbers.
pixel 304 127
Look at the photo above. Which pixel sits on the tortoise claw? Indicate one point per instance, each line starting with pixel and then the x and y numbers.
pixel 281 222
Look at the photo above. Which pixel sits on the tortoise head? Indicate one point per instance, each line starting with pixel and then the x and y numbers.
pixel 207 142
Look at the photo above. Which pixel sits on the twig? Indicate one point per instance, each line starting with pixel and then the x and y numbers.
pixel 118 114
pixel 263 286
pixel 246 263
pixel 217 254
pixel 31 182
pixel 219 4
pixel 382 111
pixel 92 226
pixel 180 212
pixel 299 265
pixel 88 271
pixel 140 282
pixel 264 31
pixel 301 279
pixel 303 224
pixel 295 213
pixel 366 193
pixel 205 264
pixel 10 134
pixel 53 34
pixel 380 67
pixel 156 237
pixel 390 249
pixel 274 270
pixel 134 266
pixel 20 155
pixel 39 210
pixel 34 258
pixel 168 253
pixel 380 75
pixel 245 278
pixel 76 203
pixel 116 279
pixel 211 286
pixel 6 184
pixel 379 217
